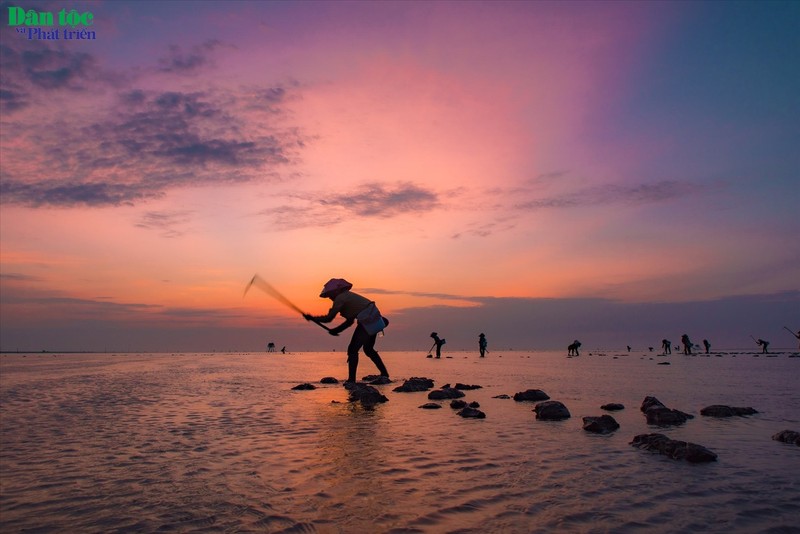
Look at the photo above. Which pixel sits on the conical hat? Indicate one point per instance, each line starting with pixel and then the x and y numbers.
pixel 335 284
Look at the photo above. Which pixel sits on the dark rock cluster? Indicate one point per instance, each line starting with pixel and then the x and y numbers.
pixel 445 393
pixel 605 424
pixel 675 449
pixel 531 395
pixel 612 407
pixel 658 414
pixel 551 411
pixel 719 410
pixel 305 386
pixel 415 384
pixel 788 436
pixel 365 394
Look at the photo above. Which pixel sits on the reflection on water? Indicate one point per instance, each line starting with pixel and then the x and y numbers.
pixel 220 442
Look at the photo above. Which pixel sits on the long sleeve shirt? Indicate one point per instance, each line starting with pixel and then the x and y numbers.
pixel 348 304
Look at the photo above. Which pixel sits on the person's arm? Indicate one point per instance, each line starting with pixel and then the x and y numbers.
pixel 342 327
pixel 335 308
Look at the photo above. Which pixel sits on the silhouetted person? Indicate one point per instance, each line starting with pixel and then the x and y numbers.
pixel 283 349
pixel 482 344
pixel 687 345
pixel 573 349
pixel 764 345
pixel 629 348
pixel 438 342
pixel 353 307
pixel 270 347
pixel 707 345
pixel 666 344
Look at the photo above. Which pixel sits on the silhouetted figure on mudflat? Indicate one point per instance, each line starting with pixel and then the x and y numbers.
pixel 270 347
pixel 687 345
pixel 573 349
pixel 764 345
pixel 666 344
pixel 438 342
pixel 707 345
pixel 482 343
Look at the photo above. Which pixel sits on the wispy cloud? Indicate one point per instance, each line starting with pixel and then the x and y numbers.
pixel 371 200
pixel 168 223
pixel 148 143
pixel 178 61
pixel 614 194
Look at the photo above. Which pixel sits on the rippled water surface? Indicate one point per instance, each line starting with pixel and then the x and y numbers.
pixel 221 443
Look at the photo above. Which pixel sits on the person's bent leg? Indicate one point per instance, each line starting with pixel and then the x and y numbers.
pixel 356 342
pixel 369 350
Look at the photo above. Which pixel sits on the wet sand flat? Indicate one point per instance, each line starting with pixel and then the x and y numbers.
pixel 221 443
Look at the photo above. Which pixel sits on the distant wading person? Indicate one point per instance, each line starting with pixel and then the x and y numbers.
pixel 707 345
pixel 482 344
pixel 573 349
pixel 438 342
pixel 353 307
pixel 763 344
pixel 687 345
pixel 666 344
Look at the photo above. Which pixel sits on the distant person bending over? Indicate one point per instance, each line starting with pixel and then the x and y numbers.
pixel 687 345
pixel 707 345
pixel 353 307
pixel 438 342
pixel 667 346
pixel 482 344
pixel 764 345
pixel 573 349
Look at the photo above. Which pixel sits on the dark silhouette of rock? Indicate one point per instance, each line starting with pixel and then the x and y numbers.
pixel 658 414
pixel 365 394
pixel 551 411
pixel 663 363
pixel 531 395
pixel 612 407
pixel 431 406
pixel 472 413
pixel 415 384
pixel 380 380
pixel 465 387
pixel 328 380
pixel 650 402
pixel 788 436
pixel 719 410
pixel 458 404
pixel 445 393
pixel 503 396
pixel 605 424
pixel 666 417
pixel 675 449
pixel 304 386
pixel 474 404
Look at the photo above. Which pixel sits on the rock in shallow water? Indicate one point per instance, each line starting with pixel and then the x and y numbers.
pixel 465 387
pixel 445 393
pixel 458 404
pixel 415 384
pixel 365 394
pixel 675 449
pixel 431 406
pixel 328 380
pixel 531 395
pixel 788 436
pixel 719 410
pixel 472 413
pixel 605 424
pixel 304 386
pixel 612 407
pixel 658 414
pixel 551 411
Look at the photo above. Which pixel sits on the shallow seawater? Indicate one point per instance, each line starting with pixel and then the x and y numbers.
pixel 221 443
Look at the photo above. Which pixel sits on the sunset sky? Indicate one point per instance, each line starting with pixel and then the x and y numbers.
pixel 615 172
